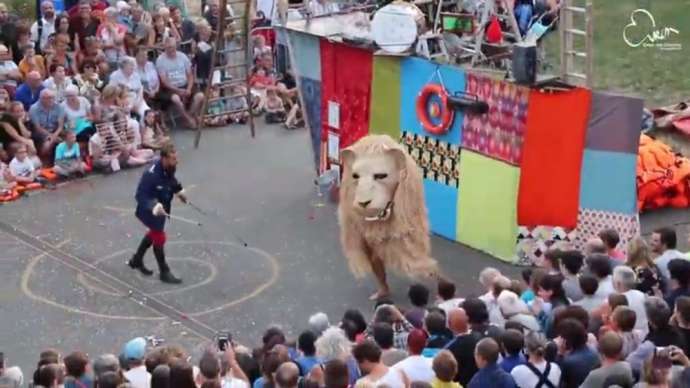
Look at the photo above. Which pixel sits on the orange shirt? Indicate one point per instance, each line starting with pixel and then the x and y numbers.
pixel 25 68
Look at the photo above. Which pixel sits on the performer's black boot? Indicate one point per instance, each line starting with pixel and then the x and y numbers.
pixel 166 276
pixel 137 261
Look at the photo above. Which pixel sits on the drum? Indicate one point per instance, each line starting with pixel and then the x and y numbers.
pixel 395 27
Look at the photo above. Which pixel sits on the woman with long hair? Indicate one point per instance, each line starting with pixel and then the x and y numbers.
pixel 640 260
pixel 181 374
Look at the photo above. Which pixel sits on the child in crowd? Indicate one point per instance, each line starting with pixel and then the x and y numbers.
pixel 623 322
pixel 446 296
pixel 216 108
pixel 7 183
pixel 22 168
pixel 512 342
pixel 237 102
pixel 260 47
pixel 275 110
pixel 153 134
pixel 445 368
pixel 68 158
pixel 419 298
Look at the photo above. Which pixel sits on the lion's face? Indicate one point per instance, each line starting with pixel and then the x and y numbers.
pixel 375 179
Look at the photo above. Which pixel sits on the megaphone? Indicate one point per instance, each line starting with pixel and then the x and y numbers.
pixel 468 103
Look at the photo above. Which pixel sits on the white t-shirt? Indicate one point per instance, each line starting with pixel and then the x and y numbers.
pixel 73 115
pixel 417 368
pixel 231 382
pixel 175 69
pixel 5 68
pixel 21 168
pixel 59 88
pixel 138 377
pixel 148 76
pixel 636 303
pixel 525 378
pixel 48 29
pixel 605 288
pixel 450 304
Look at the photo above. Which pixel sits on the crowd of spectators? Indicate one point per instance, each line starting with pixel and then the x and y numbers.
pixel 92 86
pixel 597 318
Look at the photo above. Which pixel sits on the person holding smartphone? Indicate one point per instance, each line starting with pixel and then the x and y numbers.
pixel 10 377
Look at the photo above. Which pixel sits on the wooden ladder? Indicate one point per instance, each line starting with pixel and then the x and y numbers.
pixel 569 67
pixel 241 59
pixel 490 9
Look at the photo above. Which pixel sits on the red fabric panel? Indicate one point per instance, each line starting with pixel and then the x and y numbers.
pixel 552 158
pixel 346 79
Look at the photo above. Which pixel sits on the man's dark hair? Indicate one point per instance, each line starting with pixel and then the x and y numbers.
pixel 383 335
pixel 599 264
pixel 336 374
pixel 210 384
pixel 514 325
pixel 572 261
pixel 667 236
pixel 357 318
pixel 476 311
pixel 658 312
pixel 611 345
pixel 167 150
pixel 553 255
pixel 435 323
pixel 488 350
pixel 209 365
pixel 574 334
pixel 160 378
pixel 350 329
pixel 47 374
pixel 109 380
pixel 75 364
pixel 615 299
pixel 625 318
pixel 367 351
pixel 683 308
pixel 679 270
pixel 418 294
pixel 589 284
pixel 305 343
pixel 610 237
pixel 446 289
pixel 513 341
pixel 575 312
pixel 181 374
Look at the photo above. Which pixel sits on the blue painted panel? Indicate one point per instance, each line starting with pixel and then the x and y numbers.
pixel 607 181
pixel 441 203
pixel 414 75
pixel 306 55
pixel 311 94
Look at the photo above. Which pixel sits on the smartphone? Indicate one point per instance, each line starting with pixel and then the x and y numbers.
pixel 223 339
pixel 662 358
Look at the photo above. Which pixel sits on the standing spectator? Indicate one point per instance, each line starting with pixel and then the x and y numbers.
pixel 58 82
pixel 571 263
pixel 48 120
pixel 177 79
pixel 537 371
pixel 514 310
pixel 416 367
pixel 640 260
pixel 287 375
pixel 333 344
pixel 551 297
pixel 68 158
pixel 231 374
pixel 445 368
pixel 490 374
pixel 679 285
pixel 576 359
pixel 336 374
pixel 600 266
pixel 75 369
pixel 9 72
pixel 623 321
pixel 318 323
pixel 551 261
pixel 446 294
pixel 49 376
pixel 28 92
pixel 624 282
pixel 462 346
pixel 31 62
pixel 439 334
pixel 44 27
pixel 308 359
pixel 590 300
pixel 11 377
pixel 419 298
pixel 112 36
pixel 83 25
pixel 368 356
pixel 134 353
pixel 611 239
pixel 383 336
pixel 390 314
pixel 203 55
pixel 105 363
pixel 181 374
pixel 610 347
pixel 512 344
pixel 664 245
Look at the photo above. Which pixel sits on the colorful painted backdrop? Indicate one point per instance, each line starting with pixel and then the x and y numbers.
pixel 539 167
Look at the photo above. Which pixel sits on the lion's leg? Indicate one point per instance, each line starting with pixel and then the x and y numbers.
pixel 379 269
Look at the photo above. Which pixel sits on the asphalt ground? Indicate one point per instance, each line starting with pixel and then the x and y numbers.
pixel 64 283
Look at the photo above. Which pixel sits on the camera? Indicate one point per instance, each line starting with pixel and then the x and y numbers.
pixel 223 339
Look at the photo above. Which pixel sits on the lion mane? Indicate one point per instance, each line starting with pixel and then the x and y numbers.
pixel 402 240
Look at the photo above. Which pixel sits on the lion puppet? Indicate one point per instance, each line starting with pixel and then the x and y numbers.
pixel 382 216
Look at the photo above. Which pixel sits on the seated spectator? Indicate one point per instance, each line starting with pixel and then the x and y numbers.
pixel 640 260
pixel 62 27
pixel 515 310
pixel 490 374
pixel 445 368
pixel 237 102
pixel 275 110
pixel 185 28
pixel 124 17
pixel 9 72
pixel 21 40
pixel 571 263
pixel 29 92
pixel 137 375
pixel 88 81
pixel 14 128
pixel 48 120
pixel 23 169
pixel 203 54
pixel 147 74
pixel 75 369
pixel 536 371
pixel 611 239
pixel 93 52
pixel 623 321
pixel 383 336
pixel 259 47
pixel 83 25
pixel 576 359
pixel 160 31
pixel 127 77
pixel 61 56
pixel 600 266
pixel 140 26
pixel 610 348
pixel 7 183
pixel 111 34
pixel 153 133
pixel 58 82
pixel 31 62
pixel 368 356
pixel 68 160
pixel 512 344
pixel 679 285
pixel 624 282
pixel 177 80
pixel 439 335
pixel 78 114
pixel 590 300
pixel 416 367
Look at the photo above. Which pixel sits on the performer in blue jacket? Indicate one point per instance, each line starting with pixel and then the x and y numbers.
pixel 155 192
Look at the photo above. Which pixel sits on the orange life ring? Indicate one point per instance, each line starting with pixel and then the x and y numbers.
pixel 423 114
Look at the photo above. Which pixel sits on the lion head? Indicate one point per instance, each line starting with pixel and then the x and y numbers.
pixel 376 177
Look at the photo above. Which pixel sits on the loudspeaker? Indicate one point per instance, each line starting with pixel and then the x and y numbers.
pixel 525 64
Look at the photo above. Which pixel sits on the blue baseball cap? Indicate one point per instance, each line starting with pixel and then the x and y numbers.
pixel 135 349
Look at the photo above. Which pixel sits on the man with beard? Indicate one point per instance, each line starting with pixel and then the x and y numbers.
pixel 154 195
